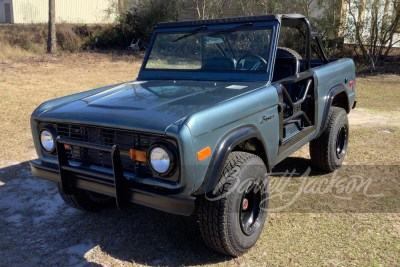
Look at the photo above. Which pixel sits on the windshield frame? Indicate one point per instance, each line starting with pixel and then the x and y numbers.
pixel 211 74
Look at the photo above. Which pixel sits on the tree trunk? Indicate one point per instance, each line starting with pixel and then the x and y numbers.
pixel 121 7
pixel 334 29
pixel 52 39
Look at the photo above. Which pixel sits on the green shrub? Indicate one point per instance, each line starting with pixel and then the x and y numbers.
pixel 136 20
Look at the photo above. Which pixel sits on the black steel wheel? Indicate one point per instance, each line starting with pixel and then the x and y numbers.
pixel 329 149
pixel 252 207
pixel 231 218
pixel 341 142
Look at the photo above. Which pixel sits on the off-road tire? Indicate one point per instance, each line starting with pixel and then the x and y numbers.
pixel 327 152
pixel 220 213
pixel 287 52
pixel 85 200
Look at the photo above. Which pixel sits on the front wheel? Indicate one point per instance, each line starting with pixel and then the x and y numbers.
pixel 232 217
pixel 327 152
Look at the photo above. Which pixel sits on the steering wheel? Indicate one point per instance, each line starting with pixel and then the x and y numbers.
pixel 255 66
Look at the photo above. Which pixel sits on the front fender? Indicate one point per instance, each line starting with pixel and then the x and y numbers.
pixel 223 149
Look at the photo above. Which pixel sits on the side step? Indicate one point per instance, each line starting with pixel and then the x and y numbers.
pixel 291 129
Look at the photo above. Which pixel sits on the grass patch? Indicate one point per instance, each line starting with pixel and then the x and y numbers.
pixel 377 145
pixel 8 52
pixel 379 93
pixel 325 240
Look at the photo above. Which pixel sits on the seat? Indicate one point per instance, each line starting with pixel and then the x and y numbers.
pixel 286 67
pixel 218 63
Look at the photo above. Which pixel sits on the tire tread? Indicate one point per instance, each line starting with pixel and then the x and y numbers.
pixel 213 223
pixel 320 148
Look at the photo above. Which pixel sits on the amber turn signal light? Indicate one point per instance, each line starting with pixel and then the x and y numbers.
pixel 67 146
pixel 203 153
pixel 138 155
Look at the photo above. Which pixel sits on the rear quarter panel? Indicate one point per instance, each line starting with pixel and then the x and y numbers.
pixel 331 75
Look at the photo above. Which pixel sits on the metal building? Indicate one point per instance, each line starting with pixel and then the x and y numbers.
pixel 69 11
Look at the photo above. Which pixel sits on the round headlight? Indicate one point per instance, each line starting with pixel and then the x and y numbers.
pixel 160 159
pixel 47 140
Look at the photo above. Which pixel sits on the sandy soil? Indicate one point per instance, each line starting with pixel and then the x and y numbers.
pixel 360 116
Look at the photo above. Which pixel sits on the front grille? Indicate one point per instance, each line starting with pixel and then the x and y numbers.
pixel 125 140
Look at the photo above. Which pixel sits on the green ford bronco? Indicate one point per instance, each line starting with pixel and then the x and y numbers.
pixel 217 104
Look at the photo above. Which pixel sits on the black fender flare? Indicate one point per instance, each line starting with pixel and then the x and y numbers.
pixel 223 149
pixel 335 90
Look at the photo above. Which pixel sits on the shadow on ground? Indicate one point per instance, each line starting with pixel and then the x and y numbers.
pixel 297 166
pixel 39 229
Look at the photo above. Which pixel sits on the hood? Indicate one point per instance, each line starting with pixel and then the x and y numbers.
pixel 148 105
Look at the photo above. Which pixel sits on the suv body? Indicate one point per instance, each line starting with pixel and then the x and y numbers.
pixel 208 92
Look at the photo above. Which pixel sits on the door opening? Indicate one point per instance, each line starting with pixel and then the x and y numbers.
pixel 7 8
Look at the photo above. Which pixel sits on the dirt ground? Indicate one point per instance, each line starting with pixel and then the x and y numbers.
pixel 38 229
pixel 361 116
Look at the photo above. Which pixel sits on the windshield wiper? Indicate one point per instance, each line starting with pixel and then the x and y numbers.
pixel 195 31
pixel 224 31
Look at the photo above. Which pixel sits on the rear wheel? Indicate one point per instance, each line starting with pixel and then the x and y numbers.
pixel 232 217
pixel 85 200
pixel 328 150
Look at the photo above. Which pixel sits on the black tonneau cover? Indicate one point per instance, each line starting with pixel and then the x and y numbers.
pixel 230 20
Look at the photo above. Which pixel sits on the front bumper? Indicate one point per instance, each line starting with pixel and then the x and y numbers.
pixel 116 185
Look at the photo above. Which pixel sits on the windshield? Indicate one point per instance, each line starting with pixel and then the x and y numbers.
pixel 231 50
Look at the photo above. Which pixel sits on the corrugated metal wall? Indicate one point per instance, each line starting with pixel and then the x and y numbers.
pixel 69 11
